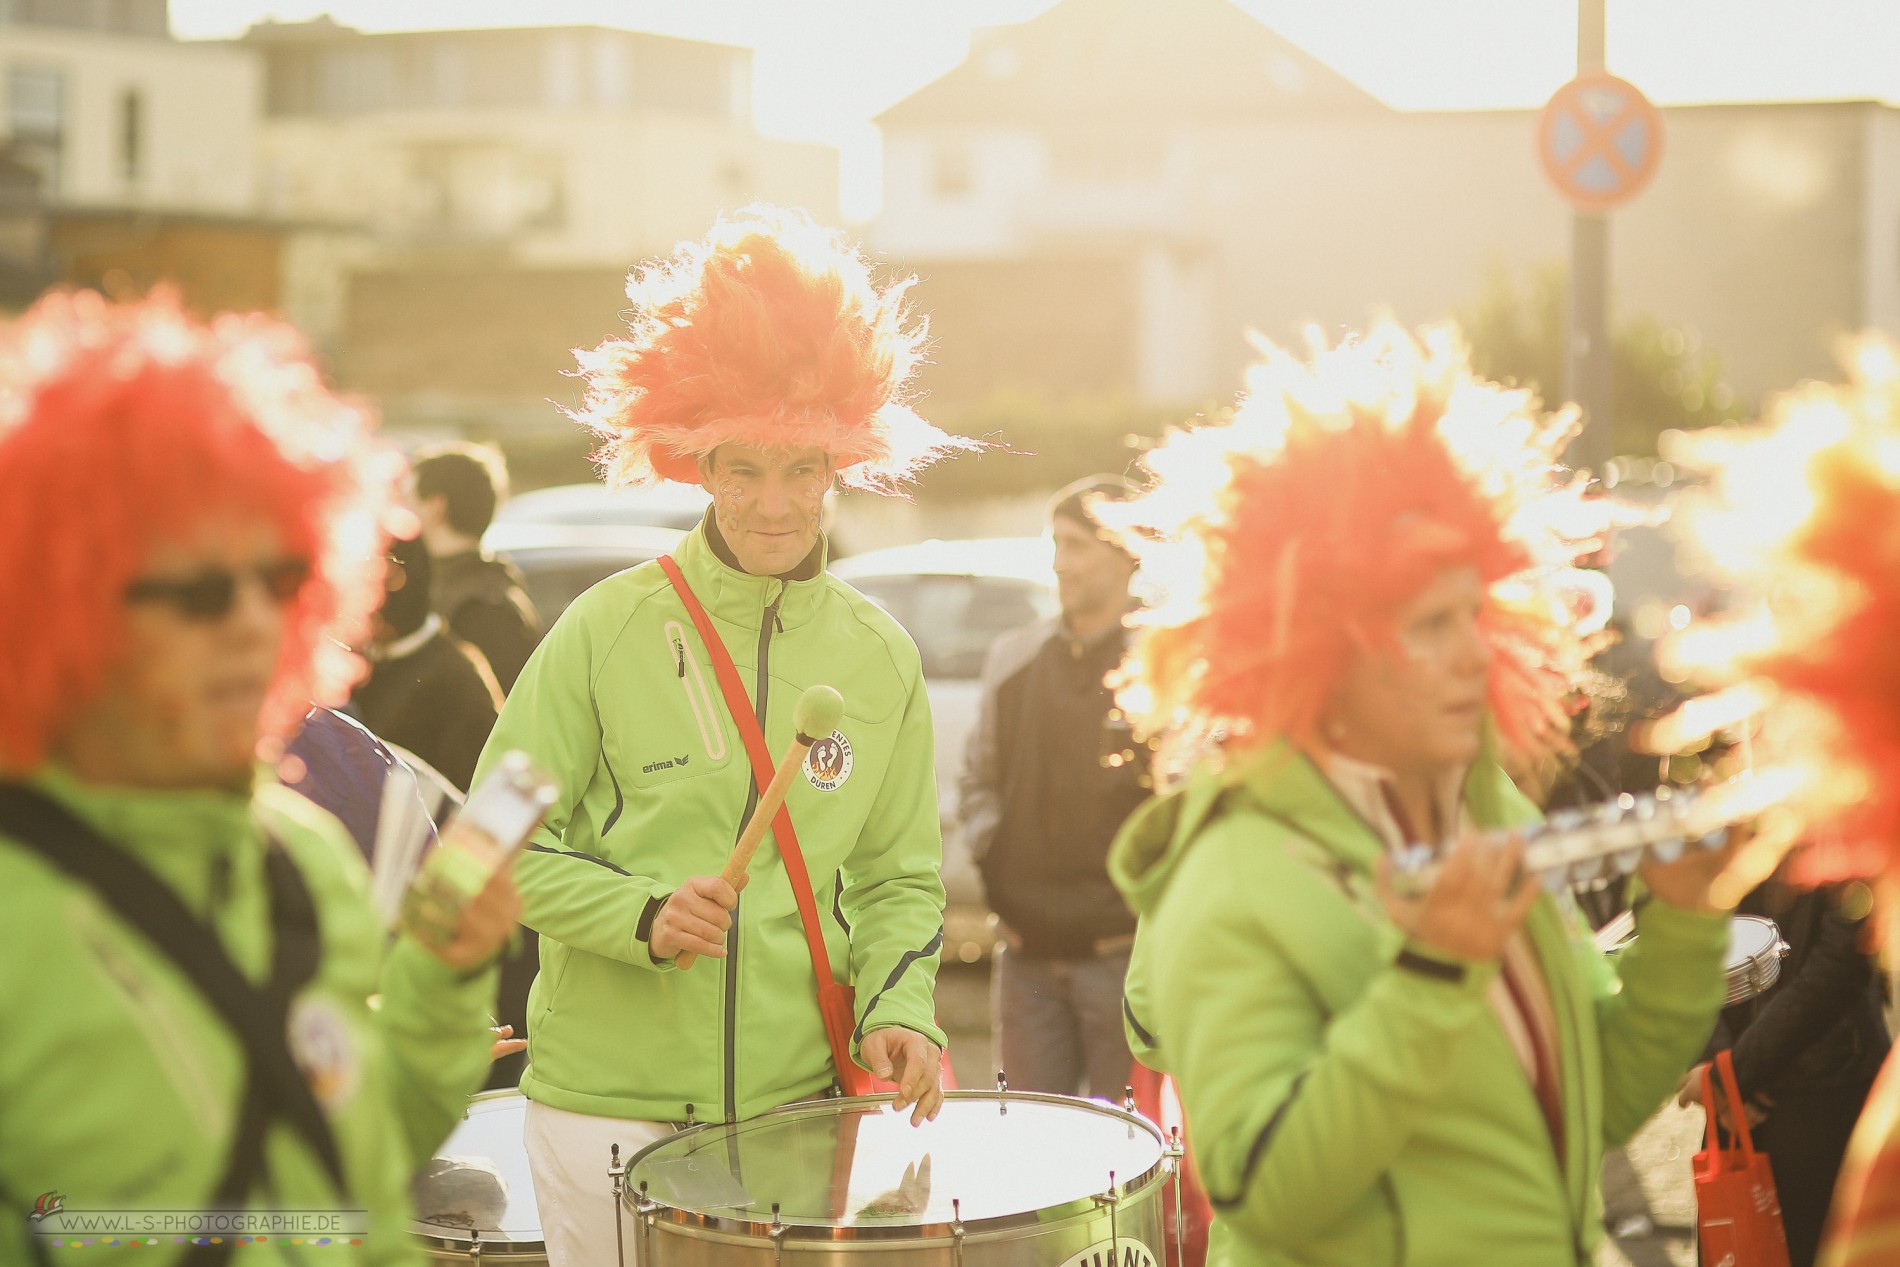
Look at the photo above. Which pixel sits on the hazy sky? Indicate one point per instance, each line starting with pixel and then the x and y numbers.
pixel 824 67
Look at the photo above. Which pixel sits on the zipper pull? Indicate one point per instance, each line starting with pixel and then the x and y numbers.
pixel 771 610
pixel 679 654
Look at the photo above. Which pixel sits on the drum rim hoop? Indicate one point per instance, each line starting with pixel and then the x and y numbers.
pixel 1125 1190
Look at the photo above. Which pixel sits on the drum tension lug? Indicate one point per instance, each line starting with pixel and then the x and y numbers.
pixel 615 1172
pixel 643 1206
pixel 777 1233
pixel 1002 1090
pixel 956 1231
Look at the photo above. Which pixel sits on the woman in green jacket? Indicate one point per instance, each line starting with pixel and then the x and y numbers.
pixel 1374 1074
pixel 196 1067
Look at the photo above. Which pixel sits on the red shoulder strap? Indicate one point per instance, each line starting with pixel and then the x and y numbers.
pixel 740 705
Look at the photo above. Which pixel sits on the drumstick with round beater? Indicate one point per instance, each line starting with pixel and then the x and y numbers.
pixel 817 714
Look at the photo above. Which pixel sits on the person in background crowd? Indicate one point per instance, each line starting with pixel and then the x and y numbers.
pixel 426 691
pixel 1051 773
pixel 1378 1071
pixel 191 532
pixel 1808 1049
pixel 456 490
pixel 1805 508
pixel 765 364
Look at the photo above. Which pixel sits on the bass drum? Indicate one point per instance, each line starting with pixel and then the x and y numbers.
pixel 475 1201
pixel 1000 1179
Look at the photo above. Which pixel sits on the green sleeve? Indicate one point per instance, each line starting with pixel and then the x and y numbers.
pixel 893 887
pixel 1655 1011
pixel 435 1025
pixel 1137 1011
pixel 579 900
pixel 1297 1113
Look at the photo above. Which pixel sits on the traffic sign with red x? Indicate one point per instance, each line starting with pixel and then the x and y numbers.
pixel 1599 140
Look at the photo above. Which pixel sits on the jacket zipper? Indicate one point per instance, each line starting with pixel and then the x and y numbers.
pixel 768 620
pixel 711 735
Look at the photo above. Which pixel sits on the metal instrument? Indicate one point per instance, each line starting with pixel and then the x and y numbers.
pixel 1000 1179
pixel 1579 846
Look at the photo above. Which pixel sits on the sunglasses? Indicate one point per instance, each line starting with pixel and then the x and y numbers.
pixel 212 593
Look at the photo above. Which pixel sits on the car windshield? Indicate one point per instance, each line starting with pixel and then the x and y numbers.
pixel 954 619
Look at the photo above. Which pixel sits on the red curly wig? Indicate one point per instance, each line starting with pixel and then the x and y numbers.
pixel 769 333
pixel 1288 537
pixel 1803 514
pixel 125 424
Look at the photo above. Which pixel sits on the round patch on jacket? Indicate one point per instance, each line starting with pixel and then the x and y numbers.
pixel 828 764
pixel 325 1049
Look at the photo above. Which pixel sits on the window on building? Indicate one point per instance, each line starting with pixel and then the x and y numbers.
pixel 563 68
pixel 131 135
pixel 950 172
pixel 611 72
pixel 36 117
pixel 447 76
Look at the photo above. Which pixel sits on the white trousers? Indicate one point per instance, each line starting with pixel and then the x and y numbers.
pixel 568 1155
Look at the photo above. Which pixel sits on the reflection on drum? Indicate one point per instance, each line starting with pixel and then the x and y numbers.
pixel 1753 962
pixel 475 1201
pixel 1000 1179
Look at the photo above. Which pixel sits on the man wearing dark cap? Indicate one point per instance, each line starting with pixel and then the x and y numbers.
pixel 482 599
pixel 1050 774
pixel 427 691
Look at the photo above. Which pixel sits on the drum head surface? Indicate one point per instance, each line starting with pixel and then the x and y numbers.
pixel 855 1162
pixel 484 1186
pixel 1750 938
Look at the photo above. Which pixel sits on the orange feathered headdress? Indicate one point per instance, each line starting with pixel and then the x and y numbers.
pixel 1286 539
pixel 1803 515
pixel 769 333
pixel 121 424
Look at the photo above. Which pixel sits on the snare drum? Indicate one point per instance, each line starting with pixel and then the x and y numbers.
pixel 1754 956
pixel 475 1201
pixel 1000 1178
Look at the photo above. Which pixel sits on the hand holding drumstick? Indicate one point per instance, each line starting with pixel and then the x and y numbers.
pixel 699 925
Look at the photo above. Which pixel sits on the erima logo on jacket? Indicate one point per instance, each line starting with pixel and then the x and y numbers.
pixel 664 765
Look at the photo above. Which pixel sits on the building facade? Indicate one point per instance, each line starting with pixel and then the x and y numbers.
pixel 1236 184
pixel 547 146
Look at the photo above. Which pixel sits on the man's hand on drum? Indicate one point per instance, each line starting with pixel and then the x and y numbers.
pixel 695 918
pixel 913 1062
pixel 482 930
pixel 1476 900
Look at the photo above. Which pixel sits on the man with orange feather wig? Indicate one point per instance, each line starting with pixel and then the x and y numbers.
pixel 766 365
pixel 1803 514
pixel 1366 573
pixel 191 528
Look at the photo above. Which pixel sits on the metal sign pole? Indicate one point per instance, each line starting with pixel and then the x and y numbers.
pixel 1590 353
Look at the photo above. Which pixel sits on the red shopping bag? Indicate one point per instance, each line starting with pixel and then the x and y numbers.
pixel 1737 1210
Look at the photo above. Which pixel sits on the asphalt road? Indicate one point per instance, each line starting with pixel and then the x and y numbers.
pixel 1648 1192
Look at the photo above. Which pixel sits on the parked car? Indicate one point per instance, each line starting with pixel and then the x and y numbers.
pixel 560 560
pixel 663 505
pixel 955 598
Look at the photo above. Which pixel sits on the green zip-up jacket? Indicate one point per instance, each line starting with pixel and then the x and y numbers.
pixel 620 704
pixel 1345 1110
pixel 119 1085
